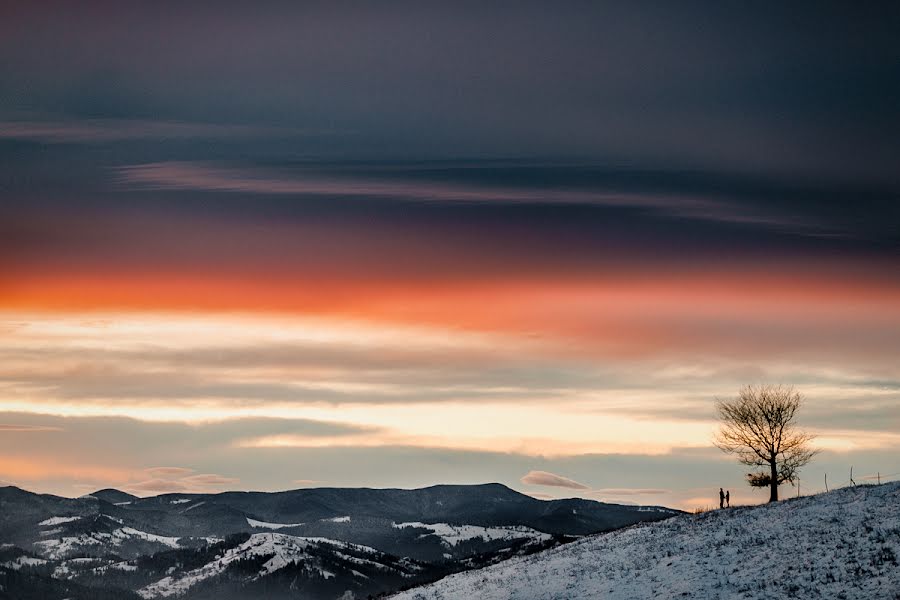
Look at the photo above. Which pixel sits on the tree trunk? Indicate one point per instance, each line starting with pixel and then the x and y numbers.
pixel 773 484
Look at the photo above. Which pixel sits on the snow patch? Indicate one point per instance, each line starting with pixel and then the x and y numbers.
pixel 338 519
pixel 451 535
pixel 24 561
pixel 57 521
pixel 265 525
pixel 657 509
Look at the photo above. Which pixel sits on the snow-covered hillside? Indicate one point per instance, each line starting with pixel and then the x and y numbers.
pixel 844 544
pixel 278 550
pixel 107 535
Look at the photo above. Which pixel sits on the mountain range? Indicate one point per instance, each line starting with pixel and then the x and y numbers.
pixel 313 543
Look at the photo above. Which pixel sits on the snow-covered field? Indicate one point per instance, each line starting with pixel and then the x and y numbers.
pixel 451 535
pixel 844 544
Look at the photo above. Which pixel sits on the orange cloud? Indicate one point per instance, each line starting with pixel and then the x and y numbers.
pixel 617 316
pixel 165 484
pixel 36 468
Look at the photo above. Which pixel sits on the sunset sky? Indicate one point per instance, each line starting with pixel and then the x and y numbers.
pixel 291 244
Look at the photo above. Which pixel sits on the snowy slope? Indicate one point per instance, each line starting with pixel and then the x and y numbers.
pixel 104 534
pixel 278 549
pixel 844 544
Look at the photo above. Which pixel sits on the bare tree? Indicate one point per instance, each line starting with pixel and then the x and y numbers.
pixel 758 427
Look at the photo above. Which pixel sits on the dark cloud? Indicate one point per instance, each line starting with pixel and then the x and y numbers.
pixel 187 176
pixel 768 87
pixel 407 222
pixel 115 130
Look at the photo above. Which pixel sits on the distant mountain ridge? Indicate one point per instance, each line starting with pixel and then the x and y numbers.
pixel 114 496
pixel 189 545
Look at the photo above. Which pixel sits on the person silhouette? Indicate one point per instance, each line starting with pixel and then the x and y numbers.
pixel 728 498
pixel 721 498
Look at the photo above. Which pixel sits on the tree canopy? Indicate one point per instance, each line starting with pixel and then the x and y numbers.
pixel 759 428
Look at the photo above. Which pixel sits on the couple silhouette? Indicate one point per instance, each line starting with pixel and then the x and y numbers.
pixel 724 498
